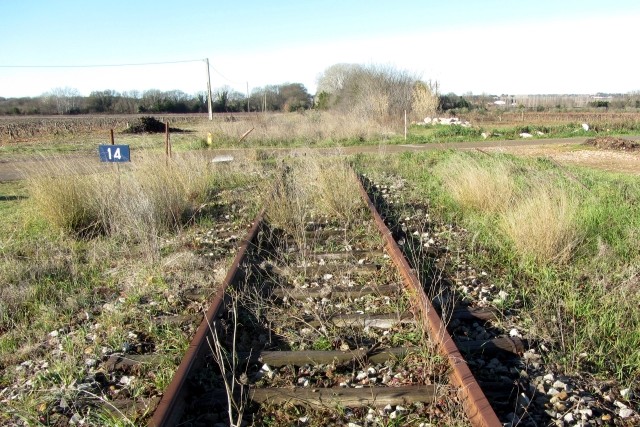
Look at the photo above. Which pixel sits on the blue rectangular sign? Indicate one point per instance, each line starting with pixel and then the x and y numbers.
pixel 114 153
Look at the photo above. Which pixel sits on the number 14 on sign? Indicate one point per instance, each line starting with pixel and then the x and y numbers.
pixel 114 153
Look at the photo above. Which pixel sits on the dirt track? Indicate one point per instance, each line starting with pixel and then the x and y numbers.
pixel 561 150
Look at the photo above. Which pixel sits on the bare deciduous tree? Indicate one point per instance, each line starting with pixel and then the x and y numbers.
pixel 379 92
pixel 65 99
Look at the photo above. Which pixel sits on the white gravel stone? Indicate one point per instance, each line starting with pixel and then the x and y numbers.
pixel 626 393
pixel 586 413
pixel 559 385
pixel 620 404
pixel 626 413
pixel 568 417
pixel 53 334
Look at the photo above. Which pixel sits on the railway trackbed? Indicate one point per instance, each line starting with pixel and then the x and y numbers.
pixel 323 322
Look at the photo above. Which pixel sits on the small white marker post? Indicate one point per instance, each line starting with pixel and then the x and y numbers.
pixel 405 125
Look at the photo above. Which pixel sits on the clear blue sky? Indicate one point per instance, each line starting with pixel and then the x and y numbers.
pixel 489 46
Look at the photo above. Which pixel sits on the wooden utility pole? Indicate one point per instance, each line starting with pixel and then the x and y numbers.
pixel 167 141
pixel 209 90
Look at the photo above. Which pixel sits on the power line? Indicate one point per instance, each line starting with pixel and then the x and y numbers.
pixel 226 78
pixel 102 65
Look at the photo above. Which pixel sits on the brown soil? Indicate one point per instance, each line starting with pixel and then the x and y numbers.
pixel 612 143
pixel 624 161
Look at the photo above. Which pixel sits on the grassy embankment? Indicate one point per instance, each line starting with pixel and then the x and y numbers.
pixel 569 249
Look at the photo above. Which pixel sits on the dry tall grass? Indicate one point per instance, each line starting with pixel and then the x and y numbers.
pixel 541 224
pixel 137 202
pixel 538 218
pixel 485 187
pixel 311 185
pixel 312 127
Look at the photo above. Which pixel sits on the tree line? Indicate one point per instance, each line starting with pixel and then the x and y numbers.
pixel 376 92
pixel 68 101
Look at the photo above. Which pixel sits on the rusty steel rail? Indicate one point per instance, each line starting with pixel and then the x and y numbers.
pixel 475 403
pixel 169 410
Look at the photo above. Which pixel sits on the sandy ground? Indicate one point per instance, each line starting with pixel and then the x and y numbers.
pixel 609 160
pixel 564 151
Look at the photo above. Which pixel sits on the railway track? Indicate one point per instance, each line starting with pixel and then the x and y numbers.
pixel 326 324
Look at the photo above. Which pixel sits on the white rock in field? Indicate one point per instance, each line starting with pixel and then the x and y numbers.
pixel 514 333
pixel 585 126
pixel 626 393
pixel 53 334
pixel 526 135
pixel 568 418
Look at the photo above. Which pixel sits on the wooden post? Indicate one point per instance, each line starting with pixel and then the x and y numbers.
pixel 112 140
pixel 167 140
